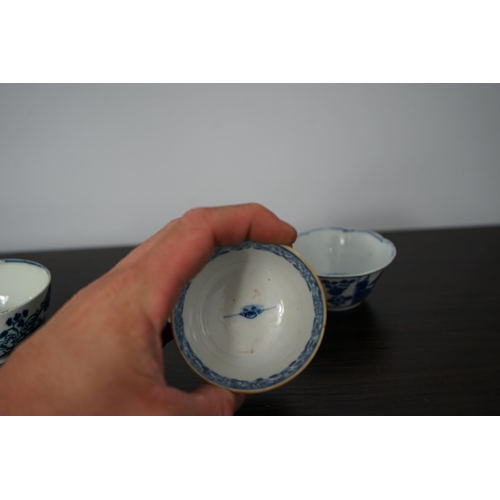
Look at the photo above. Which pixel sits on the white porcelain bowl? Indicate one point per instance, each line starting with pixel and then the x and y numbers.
pixel 349 262
pixel 252 319
pixel 24 301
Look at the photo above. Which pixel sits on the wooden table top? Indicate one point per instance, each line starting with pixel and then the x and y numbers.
pixel 426 341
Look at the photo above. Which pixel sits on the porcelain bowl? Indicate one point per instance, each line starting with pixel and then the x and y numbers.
pixel 252 319
pixel 349 262
pixel 24 301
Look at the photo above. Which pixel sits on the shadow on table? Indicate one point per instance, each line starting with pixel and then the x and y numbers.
pixel 352 350
pixel 353 346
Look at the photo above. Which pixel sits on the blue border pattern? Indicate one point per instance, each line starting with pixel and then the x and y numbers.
pixel 294 366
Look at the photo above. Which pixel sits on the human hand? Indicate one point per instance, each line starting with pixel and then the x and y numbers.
pixel 101 353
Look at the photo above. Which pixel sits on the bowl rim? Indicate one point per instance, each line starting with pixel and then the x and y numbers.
pixel 307 361
pixel 32 263
pixel 374 234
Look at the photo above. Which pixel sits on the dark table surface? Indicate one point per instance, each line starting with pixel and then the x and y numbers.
pixel 426 342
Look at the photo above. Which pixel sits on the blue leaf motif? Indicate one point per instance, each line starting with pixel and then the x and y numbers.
pixel 337 287
pixel 339 300
pixel 364 288
pixel 250 312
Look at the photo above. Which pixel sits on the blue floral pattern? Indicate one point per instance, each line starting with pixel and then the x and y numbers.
pixel 21 325
pixel 347 293
pixel 348 290
pixel 294 366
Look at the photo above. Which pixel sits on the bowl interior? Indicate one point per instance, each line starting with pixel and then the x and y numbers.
pixel 250 314
pixel 20 281
pixel 343 252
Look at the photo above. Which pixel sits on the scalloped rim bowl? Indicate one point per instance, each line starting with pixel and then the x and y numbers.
pixel 252 319
pixel 348 261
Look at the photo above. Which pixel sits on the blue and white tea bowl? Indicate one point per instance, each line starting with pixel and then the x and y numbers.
pixel 252 319
pixel 24 301
pixel 349 262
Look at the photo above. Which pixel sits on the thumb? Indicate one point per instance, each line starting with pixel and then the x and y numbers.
pixel 206 400
pixel 212 400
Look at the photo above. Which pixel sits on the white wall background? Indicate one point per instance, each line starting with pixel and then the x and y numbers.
pixel 100 165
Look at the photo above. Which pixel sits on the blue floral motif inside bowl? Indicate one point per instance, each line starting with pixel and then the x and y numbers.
pixel 250 312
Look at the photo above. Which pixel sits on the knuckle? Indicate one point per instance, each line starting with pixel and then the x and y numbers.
pixel 174 222
pixel 256 206
pixel 195 214
pixel 197 219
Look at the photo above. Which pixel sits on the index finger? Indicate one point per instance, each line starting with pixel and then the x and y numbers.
pixel 179 251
